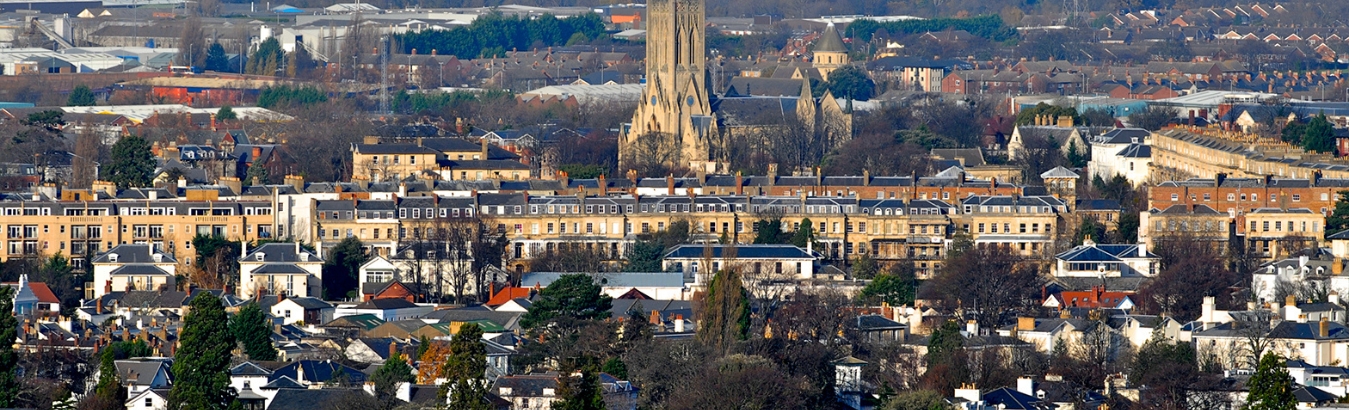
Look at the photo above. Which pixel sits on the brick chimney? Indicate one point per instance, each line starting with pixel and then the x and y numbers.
pixel 739 183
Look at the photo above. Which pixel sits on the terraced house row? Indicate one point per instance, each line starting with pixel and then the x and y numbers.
pixel 911 222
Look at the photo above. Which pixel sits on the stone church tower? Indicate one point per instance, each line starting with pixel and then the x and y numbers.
pixel 829 52
pixel 674 106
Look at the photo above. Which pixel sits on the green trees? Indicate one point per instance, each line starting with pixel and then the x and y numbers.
pixel 726 311
pixel 266 60
pixel 805 234
pixel 1271 387
pixel 987 26
pixel 769 230
pixel 1319 135
pixel 132 165
pixel 250 327
pixel 257 173
pixel 1338 220
pixel 394 371
pixel 81 96
pixel 464 369
pixel 865 267
pixel 201 366
pixel 216 60
pixel 493 34
pixel 109 388
pixel 945 365
pixel 341 269
pixel 226 113
pixel 9 360
pixel 851 82
pixel 897 287
pixel 109 393
pixel 286 95
pixel 578 388
pixel 646 256
pixel 575 297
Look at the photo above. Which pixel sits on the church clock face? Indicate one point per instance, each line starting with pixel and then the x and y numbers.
pixel 689 101
pixel 653 100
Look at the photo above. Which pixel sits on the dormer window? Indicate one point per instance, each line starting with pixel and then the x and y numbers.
pixel 258 256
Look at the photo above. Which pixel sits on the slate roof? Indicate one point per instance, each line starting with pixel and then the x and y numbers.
pixel 830 41
pixel 133 253
pixel 1102 252
pixel 141 372
pixel 971 157
pixel 1123 136
pixel 311 303
pixel 139 269
pixel 1308 331
pixel 309 399
pixel 1136 151
pixel 759 86
pixel 316 371
pixel 1306 394
pixel 1098 205
pixel 278 252
pixel 526 385
pixel 249 369
pixel 279 268
pixel 877 322
pixel 1009 399
pixel 743 252
pixel 282 382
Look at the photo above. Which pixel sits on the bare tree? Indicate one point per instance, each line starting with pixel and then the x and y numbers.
pixel 89 150
pixel 192 44
pixel 654 154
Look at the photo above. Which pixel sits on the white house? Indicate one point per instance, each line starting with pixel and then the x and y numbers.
pixel 247 380
pixel 1319 343
pixel 153 399
pixel 1138 329
pixel 1121 151
pixel 302 309
pixel 133 267
pixel 144 374
pixel 387 310
pixel 1096 260
pixel 280 268
pixel 33 298
pixel 786 261
pixel 1045 334
pixel 426 263
pixel 655 285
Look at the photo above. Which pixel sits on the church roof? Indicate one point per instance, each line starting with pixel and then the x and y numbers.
pixel 830 41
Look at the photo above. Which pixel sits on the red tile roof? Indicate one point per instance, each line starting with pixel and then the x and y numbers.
pixel 505 295
pixel 44 294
